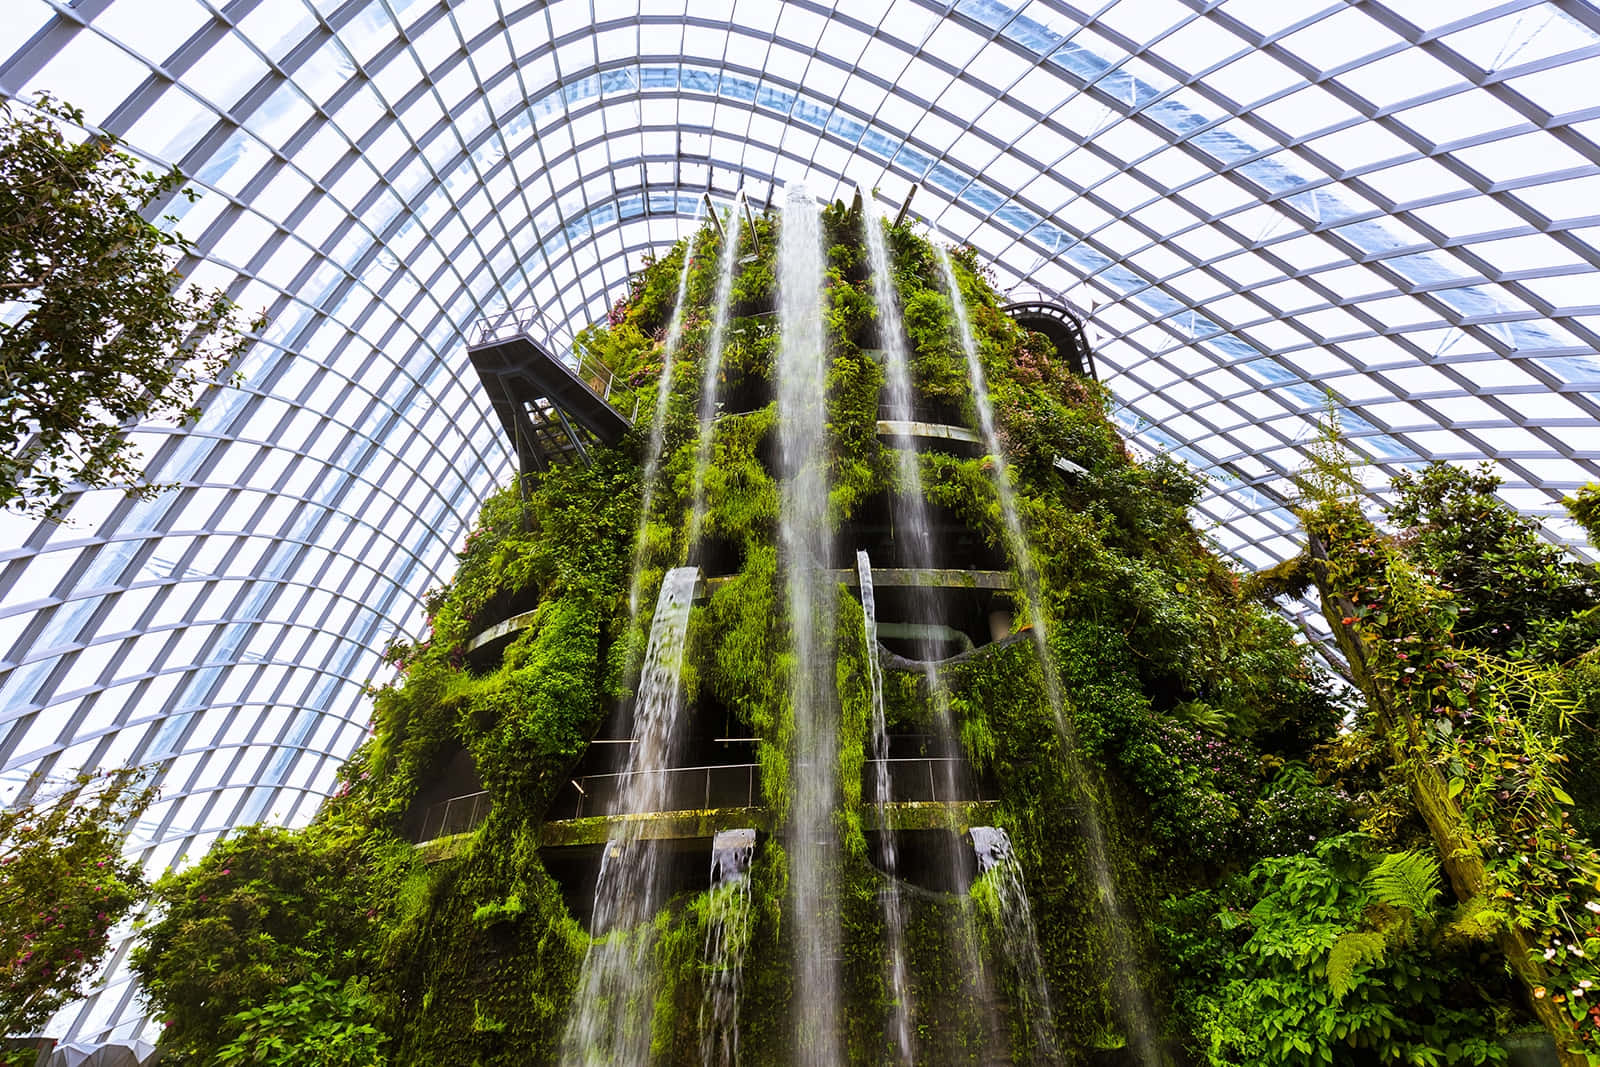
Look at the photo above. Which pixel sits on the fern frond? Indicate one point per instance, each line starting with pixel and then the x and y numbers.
pixel 1407 880
pixel 1353 948
pixel 1476 921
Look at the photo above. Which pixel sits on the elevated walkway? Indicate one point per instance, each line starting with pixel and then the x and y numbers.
pixel 882 578
pixel 932 431
pixel 959 816
pixel 1064 329
pixel 550 411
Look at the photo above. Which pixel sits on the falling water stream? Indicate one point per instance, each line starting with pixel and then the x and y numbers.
pixel 610 1020
pixel 658 428
pixel 894 919
pixel 713 367
pixel 804 536
pixel 1132 1002
pixel 727 935
pixel 1001 876
pixel 915 527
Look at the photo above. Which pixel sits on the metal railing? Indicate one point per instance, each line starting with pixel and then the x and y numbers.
pixel 727 785
pixel 518 322
pixel 912 779
pixel 454 816
pixel 919 779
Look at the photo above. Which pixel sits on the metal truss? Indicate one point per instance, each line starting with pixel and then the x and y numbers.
pixel 1260 207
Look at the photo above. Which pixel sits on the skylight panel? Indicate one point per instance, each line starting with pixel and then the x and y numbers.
pixel 1564 201
pixel 27 18
pixel 1400 77
pixel 1143 20
pixel 949 41
pixel 1129 141
pixel 1174 167
pixel 1463 218
pixel 1521 37
pixel 1564 89
pixel 1340 38
pixel 1252 77
pixel 1360 147
pixel 1419 180
pixel 369 32
pixel 101 74
pixel 472 16
pixel 153 30
pixel 1462 117
pixel 1529 155
pixel 1307 111
pixel 1567 292
pixel 1198 45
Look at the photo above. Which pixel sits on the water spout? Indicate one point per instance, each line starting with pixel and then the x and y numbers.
pixel 1132 1004
pixel 894 920
pixel 1000 881
pixel 727 935
pixel 803 529
pixel 658 427
pixel 610 1020
pixel 713 368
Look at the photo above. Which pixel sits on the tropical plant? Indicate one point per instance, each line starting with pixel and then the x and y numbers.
pixel 266 910
pixel 100 330
pixel 1515 593
pixel 315 1023
pixel 63 885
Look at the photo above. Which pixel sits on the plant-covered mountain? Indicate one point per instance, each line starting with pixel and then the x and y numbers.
pixel 1124 820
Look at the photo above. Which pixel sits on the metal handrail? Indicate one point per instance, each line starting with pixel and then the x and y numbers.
pixel 953 790
pixel 520 322
pixel 596 794
pixel 457 815
pixel 599 790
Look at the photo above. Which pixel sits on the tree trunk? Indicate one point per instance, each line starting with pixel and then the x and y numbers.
pixel 1458 853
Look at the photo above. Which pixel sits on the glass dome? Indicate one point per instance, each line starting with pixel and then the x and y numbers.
pixel 1261 207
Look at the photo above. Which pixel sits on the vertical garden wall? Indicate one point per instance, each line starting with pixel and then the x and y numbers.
pixel 1278 883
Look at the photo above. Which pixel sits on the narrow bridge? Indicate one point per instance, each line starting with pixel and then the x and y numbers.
pixel 551 411
pixel 1058 323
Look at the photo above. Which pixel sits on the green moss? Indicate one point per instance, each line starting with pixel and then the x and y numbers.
pixel 1195 712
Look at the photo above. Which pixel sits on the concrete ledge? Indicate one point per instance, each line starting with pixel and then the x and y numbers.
pixel 446 848
pixel 882 578
pixel 936 430
pixel 653 826
pixel 887 577
pixel 958 816
pixel 501 629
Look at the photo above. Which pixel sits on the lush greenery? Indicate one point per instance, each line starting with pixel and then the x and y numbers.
pixel 63 885
pixel 1278 889
pixel 107 334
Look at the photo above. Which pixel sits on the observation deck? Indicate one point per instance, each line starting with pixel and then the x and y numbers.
pixel 1043 314
pixel 551 410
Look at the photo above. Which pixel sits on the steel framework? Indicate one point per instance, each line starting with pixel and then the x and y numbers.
pixel 1261 207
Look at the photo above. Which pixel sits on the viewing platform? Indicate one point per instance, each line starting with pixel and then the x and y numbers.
pixel 550 410
pixel 882 578
pixel 1042 314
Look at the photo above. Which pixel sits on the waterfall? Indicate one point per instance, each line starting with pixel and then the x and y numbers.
pixel 914 524
pixel 727 935
pixel 1132 1002
pixel 713 367
pixel 610 1020
pixel 1000 880
pixel 803 537
pixel 894 919
pixel 913 521
pixel 658 426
